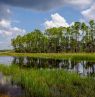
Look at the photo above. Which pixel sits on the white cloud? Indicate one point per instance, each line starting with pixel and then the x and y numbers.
pixel 56 21
pixel 6 28
pixel 7 32
pixel 89 13
pixel 5 23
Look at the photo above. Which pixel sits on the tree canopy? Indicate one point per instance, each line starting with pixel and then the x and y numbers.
pixel 79 37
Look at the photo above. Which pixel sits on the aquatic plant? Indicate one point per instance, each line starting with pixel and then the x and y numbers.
pixel 50 82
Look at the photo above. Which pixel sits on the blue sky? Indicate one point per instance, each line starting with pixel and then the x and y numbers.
pixel 19 17
pixel 30 20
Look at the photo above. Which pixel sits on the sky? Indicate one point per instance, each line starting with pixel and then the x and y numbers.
pixel 18 17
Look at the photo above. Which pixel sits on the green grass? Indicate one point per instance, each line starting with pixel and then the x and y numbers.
pixel 72 56
pixel 50 82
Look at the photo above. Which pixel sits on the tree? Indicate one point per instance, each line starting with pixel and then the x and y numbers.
pixel 76 32
pixel 84 35
pixel 79 37
pixel 55 37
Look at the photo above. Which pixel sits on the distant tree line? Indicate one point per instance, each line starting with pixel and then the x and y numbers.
pixel 6 50
pixel 79 37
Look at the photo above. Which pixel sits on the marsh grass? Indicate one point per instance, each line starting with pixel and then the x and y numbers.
pixel 50 82
pixel 72 56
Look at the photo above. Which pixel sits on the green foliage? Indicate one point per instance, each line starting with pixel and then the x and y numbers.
pixel 77 38
pixel 71 56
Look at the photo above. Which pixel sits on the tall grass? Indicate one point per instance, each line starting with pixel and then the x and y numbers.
pixel 50 82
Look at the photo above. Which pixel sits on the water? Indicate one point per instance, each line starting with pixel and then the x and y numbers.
pixel 7 89
pixel 6 60
pixel 84 68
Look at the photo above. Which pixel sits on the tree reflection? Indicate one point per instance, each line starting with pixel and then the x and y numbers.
pixel 85 68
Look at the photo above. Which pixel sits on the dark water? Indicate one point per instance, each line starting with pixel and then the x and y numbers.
pixel 7 89
pixel 84 68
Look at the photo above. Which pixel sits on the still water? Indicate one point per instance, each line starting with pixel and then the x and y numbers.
pixel 84 68
pixel 8 89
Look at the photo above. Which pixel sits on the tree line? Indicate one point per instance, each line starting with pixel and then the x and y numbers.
pixel 79 37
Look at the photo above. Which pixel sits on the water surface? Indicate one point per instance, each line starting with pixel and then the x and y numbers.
pixel 85 68
pixel 8 89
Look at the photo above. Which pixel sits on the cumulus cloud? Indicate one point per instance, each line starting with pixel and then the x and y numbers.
pixel 46 4
pixel 6 28
pixel 89 13
pixel 5 23
pixel 7 32
pixel 56 21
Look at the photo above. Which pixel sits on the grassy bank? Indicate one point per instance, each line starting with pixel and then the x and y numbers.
pixel 72 56
pixel 51 83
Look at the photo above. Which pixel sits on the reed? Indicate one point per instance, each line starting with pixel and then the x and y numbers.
pixel 50 82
